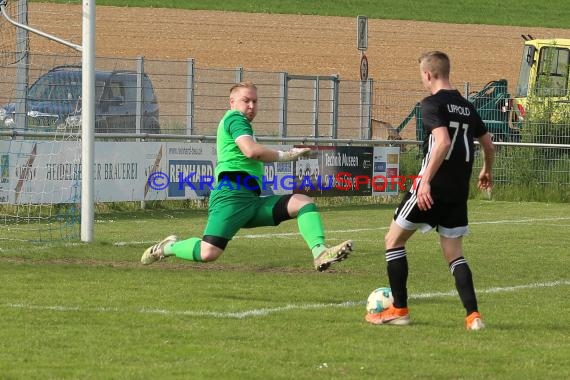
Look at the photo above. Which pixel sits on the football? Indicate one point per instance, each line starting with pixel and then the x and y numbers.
pixel 379 300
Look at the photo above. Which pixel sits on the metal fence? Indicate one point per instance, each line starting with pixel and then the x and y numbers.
pixel 191 100
pixel 533 153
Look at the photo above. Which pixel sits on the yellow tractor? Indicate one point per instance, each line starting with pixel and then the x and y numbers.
pixel 542 95
pixel 543 89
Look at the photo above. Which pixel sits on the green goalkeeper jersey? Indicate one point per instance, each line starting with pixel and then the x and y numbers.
pixel 230 157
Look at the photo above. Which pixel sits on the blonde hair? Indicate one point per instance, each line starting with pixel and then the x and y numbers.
pixel 245 84
pixel 437 63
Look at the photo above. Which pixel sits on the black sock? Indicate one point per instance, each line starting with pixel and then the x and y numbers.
pixel 464 284
pixel 397 265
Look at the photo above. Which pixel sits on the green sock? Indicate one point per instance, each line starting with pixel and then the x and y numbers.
pixel 188 249
pixel 311 228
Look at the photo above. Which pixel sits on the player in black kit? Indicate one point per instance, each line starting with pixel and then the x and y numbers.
pixel 439 199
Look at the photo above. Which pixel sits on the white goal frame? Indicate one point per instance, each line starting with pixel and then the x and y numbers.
pixel 87 50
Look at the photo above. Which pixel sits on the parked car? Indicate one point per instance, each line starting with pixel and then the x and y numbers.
pixel 54 102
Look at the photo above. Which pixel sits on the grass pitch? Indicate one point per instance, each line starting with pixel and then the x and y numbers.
pixel 91 311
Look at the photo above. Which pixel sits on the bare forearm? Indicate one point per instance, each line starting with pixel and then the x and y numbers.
pixel 489 158
pixel 436 159
pixel 262 153
pixel 488 150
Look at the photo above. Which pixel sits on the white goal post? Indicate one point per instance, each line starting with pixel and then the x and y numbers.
pixel 88 120
pixel 87 50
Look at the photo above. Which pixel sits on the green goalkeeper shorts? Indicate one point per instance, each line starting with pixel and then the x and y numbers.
pixel 230 210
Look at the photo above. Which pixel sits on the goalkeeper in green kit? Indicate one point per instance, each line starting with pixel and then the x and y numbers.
pixel 235 200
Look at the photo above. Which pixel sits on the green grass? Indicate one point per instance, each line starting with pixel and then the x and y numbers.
pixel 551 14
pixel 91 311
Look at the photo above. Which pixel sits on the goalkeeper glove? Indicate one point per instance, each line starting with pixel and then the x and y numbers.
pixel 292 154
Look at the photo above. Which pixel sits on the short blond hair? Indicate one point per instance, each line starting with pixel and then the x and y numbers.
pixel 436 62
pixel 245 84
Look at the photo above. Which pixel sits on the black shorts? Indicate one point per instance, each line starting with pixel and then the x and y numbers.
pixel 449 219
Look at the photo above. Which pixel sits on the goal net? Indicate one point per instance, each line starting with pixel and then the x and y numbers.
pixel 40 113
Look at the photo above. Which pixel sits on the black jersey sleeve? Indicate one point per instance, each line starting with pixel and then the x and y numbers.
pixel 431 115
pixel 479 128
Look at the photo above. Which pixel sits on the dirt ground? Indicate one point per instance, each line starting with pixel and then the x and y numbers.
pixel 294 43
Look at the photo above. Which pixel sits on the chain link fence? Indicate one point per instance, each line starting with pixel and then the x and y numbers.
pixel 185 98
pixel 190 100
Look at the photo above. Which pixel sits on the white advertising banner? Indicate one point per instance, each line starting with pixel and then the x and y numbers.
pixel 50 171
pixel 189 170
pixel 386 171
pixel 120 170
pixel 40 171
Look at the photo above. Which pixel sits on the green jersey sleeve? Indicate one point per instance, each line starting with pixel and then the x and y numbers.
pixel 230 158
pixel 236 125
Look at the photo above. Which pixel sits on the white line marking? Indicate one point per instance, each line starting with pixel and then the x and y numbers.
pixel 295 234
pixel 531 220
pixel 267 311
pixel 287 234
